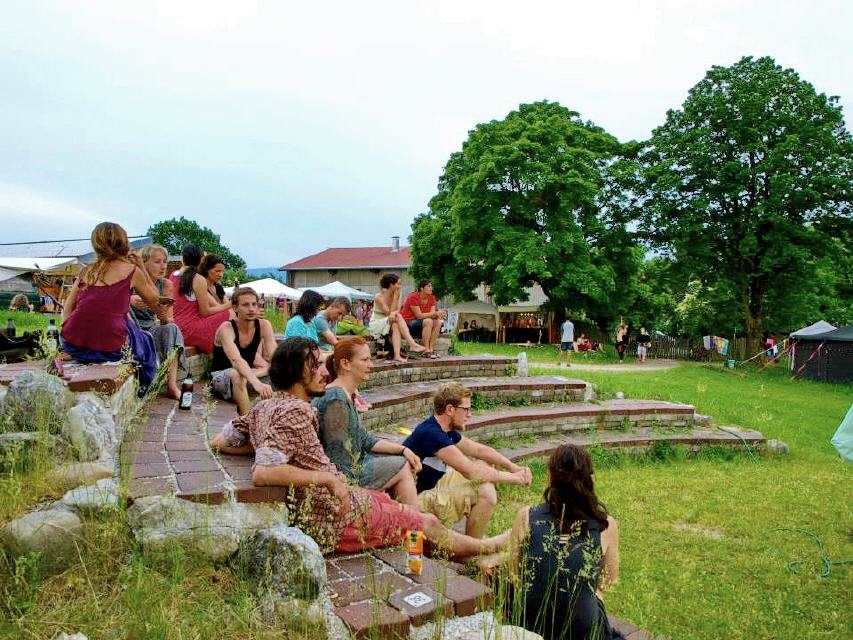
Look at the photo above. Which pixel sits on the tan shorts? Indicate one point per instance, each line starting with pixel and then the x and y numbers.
pixel 451 499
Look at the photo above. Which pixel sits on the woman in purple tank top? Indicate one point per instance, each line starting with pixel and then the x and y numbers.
pixel 96 326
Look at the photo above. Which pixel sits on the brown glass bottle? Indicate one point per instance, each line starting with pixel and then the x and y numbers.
pixel 186 401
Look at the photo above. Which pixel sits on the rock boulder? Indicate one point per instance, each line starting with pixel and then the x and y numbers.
pixel 54 534
pixel 38 401
pixel 91 429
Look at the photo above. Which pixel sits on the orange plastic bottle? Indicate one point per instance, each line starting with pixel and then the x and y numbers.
pixel 415 552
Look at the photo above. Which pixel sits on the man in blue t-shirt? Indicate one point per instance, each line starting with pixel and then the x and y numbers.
pixel 467 487
pixel 326 322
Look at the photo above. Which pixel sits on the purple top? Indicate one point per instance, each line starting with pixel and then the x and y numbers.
pixel 97 321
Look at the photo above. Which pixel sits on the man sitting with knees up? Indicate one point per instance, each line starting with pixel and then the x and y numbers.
pixel 467 487
pixel 242 349
pixel 282 432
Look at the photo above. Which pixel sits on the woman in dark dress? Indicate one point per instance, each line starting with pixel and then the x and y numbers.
pixel 565 553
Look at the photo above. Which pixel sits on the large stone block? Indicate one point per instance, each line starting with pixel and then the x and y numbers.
pixel 92 499
pixel 161 523
pixel 54 534
pixel 38 401
pixel 91 429
pixel 284 563
pixel 76 474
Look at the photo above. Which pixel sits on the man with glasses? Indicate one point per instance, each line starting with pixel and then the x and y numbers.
pixel 467 487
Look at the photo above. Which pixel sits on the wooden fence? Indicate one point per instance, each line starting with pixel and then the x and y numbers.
pixel 689 349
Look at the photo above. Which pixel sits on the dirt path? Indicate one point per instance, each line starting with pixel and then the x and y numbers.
pixel 634 367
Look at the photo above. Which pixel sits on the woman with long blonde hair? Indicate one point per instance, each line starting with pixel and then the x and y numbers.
pixel 167 337
pixel 96 325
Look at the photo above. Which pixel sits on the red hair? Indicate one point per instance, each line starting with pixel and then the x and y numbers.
pixel 345 349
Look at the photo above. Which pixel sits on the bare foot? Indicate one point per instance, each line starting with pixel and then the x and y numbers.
pixel 401 360
pixel 417 348
pixel 173 391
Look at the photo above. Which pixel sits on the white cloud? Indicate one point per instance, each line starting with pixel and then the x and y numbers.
pixel 49 216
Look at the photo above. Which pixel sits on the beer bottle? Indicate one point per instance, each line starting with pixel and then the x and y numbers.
pixel 186 395
pixel 52 335
pixel 10 328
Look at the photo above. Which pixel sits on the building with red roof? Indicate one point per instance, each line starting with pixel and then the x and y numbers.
pixel 358 267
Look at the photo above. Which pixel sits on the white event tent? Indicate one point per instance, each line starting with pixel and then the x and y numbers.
pixel 338 289
pixel 270 287
pixel 12 267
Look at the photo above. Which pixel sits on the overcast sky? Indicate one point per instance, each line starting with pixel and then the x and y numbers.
pixel 290 128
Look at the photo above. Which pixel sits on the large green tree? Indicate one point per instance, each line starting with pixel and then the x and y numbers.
pixel 520 205
pixel 743 184
pixel 176 233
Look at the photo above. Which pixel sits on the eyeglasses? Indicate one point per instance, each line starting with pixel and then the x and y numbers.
pixel 467 409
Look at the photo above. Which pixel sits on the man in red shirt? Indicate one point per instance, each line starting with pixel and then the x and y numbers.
pixel 423 319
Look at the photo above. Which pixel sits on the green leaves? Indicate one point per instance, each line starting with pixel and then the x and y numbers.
pixel 176 233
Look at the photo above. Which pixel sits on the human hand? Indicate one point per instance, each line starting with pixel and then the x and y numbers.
pixel 137 302
pixel 340 491
pixel 263 390
pixel 413 460
pixel 523 476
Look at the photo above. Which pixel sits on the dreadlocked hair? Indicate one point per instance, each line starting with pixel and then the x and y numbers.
pixel 570 493
pixel 110 243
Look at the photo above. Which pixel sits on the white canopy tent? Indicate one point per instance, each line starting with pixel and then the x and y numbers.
pixel 821 326
pixel 270 287
pixel 338 289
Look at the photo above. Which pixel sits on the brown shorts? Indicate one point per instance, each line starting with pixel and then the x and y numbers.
pixel 451 499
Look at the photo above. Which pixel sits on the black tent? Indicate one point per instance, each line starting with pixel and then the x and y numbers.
pixel 827 357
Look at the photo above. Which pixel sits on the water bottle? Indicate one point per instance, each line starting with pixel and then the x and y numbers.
pixel 52 336
pixel 10 328
pixel 414 552
pixel 186 395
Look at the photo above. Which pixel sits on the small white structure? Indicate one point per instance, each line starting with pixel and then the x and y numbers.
pixel 269 287
pixel 338 289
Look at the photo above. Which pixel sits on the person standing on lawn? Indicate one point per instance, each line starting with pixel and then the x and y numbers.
pixel 567 341
pixel 643 340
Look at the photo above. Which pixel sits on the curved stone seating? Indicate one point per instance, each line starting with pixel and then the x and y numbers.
pixel 444 368
pixel 394 404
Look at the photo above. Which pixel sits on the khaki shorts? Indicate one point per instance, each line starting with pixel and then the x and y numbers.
pixel 451 499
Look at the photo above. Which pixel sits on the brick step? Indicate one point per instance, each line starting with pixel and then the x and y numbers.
pixel 425 370
pixel 508 422
pixel 642 439
pixel 102 378
pixel 394 404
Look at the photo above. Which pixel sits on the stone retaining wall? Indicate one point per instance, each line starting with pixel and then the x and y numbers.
pixel 381 417
pixel 430 370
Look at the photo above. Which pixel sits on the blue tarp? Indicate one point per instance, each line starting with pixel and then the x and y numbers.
pixel 843 438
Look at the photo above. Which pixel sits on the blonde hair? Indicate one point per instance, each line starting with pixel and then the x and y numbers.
pixel 110 243
pixel 19 302
pixel 147 252
pixel 449 393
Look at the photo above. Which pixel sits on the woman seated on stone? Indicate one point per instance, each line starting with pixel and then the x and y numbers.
pixel 21 303
pixel 387 320
pixel 300 325
pixel 565 553
pixel 197 312
pixel 368 461
pixel 167 337
pixel 96 324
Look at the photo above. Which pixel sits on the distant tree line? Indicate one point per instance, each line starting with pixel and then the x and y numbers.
pixel 734 216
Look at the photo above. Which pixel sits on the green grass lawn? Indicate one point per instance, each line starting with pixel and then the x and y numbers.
pixel 26 321
pixel 699 554
pixel 536 353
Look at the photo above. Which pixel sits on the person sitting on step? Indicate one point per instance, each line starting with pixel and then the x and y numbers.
pixel 452 485
pixel 301 325
pixel 423 317
pixel 368 461
pixel 283 434
pixel 326 322
pixel 242 349
pixel 96 325
pixel 386 320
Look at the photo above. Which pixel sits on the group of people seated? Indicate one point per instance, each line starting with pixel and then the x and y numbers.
pixel 353 491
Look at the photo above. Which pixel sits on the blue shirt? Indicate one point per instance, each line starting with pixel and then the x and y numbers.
pixel 298 328
pixel 426 440
pixel 320 325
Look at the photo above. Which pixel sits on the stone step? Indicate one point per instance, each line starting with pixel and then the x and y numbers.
pixel 642 439
pixel 426 370
pixel 394 404
pixel 508 422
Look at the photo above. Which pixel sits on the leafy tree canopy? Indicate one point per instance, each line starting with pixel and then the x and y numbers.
pixel 176 233
pixel 518 205
pixel 743 186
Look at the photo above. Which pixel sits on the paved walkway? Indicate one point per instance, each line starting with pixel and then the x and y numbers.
pixel 635 367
